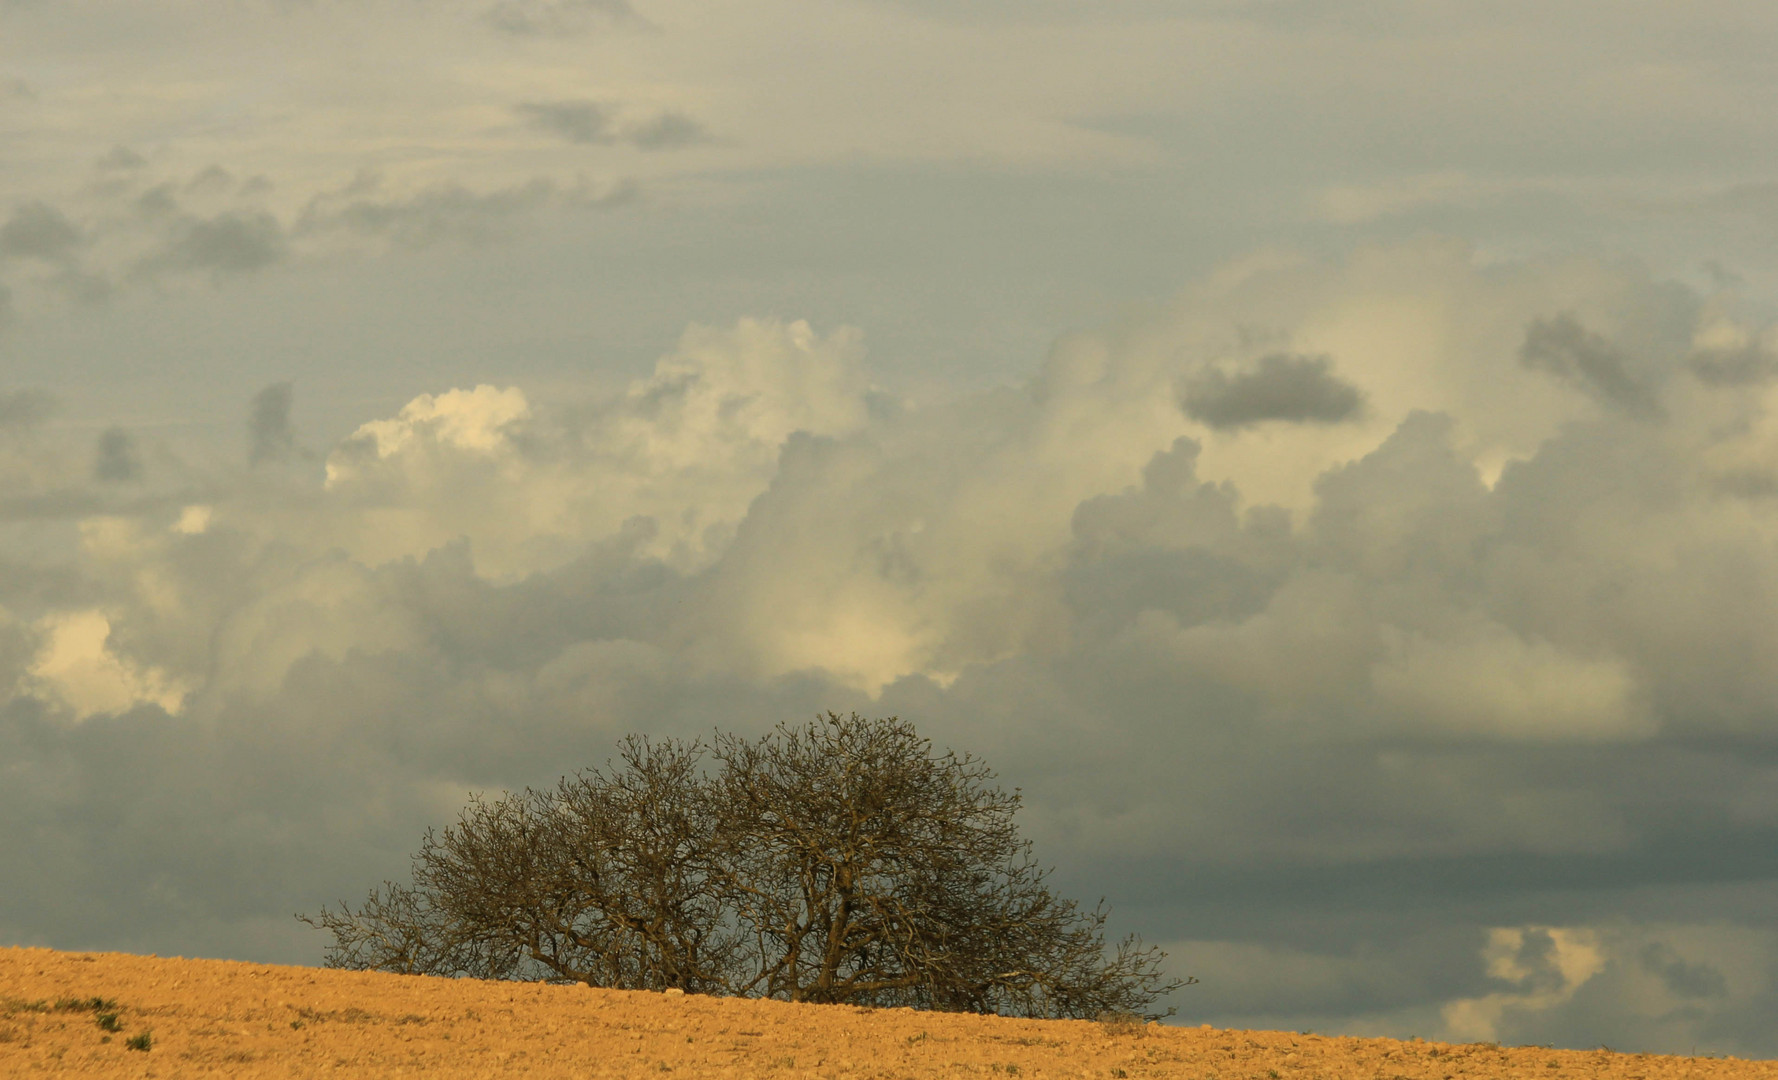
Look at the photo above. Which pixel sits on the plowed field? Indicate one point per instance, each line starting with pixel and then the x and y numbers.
pixel 77 1014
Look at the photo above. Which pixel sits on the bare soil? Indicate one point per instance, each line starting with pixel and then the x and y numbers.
pixel 225 1019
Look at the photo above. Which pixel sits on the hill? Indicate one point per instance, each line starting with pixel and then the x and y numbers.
pixel 227 1019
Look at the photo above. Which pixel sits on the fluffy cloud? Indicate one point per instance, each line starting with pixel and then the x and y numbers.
pixel 680 454
pixel 1487 645
pixel 77 669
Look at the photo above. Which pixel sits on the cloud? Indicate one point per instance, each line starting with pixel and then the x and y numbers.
pixel 1682 984
pixel 576 121
pixel 668 131
pixel 1545 964
pixel 117 461
pixel 212 180
pixel 270 436
pixel 120 158
pixel 24 408
pixel 1682 978
pixel 558 18
pixel 592 122
pixel 139 228
pixel 1496 682
pixel 37 230
pixel 77 669
pixel 448 212
pixel 229 243
pixel 1294 389
pixel 1727 355
pixel 1743 366
pixel 1562 347
pixel 686 449
pixel 1385 749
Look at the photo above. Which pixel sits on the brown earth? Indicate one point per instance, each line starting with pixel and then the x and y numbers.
pixel 225 1019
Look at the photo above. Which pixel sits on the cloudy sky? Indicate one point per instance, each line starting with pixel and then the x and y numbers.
pixel 1325 453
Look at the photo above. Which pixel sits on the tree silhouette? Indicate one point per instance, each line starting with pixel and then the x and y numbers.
pixel 838 861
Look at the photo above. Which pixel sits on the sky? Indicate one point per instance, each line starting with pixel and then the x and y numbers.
pixel 1324 453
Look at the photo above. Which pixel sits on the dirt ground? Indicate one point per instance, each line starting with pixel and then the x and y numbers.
pixel 218 1018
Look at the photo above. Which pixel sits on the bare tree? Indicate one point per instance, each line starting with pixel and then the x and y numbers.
pixel 839 861
pixel 605 880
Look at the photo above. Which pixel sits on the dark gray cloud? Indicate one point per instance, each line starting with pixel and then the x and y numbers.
pixel 668 131
pixel 593 123
pixel 159 201
pixel 1281 386
pixel 270 435
pixel 25 408
pixel 1682 979
pixel 117 461
pixel 1386 854
pixel 38 230
pixel 229 244
pixel 1721 277
pixel 558 18
pixel 1327 750
pixel 576 121
pixel 1748 365
pixel 211 180
pixel 121 158
pixel 1561 346
pixel 449 212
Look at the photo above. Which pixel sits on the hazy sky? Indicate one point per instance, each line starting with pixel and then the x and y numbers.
pixel 1325 453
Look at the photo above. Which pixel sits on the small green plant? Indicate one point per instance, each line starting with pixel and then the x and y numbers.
pixel 89 1004
pixel 143 1042
pixel 296 1025
pixel 1119 1073
pixel 1273 1073
pixel 108 1022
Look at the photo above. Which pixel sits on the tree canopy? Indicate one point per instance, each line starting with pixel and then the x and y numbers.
pixel 843 860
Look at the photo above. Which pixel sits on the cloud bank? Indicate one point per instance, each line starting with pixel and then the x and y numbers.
pixel 1388 634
